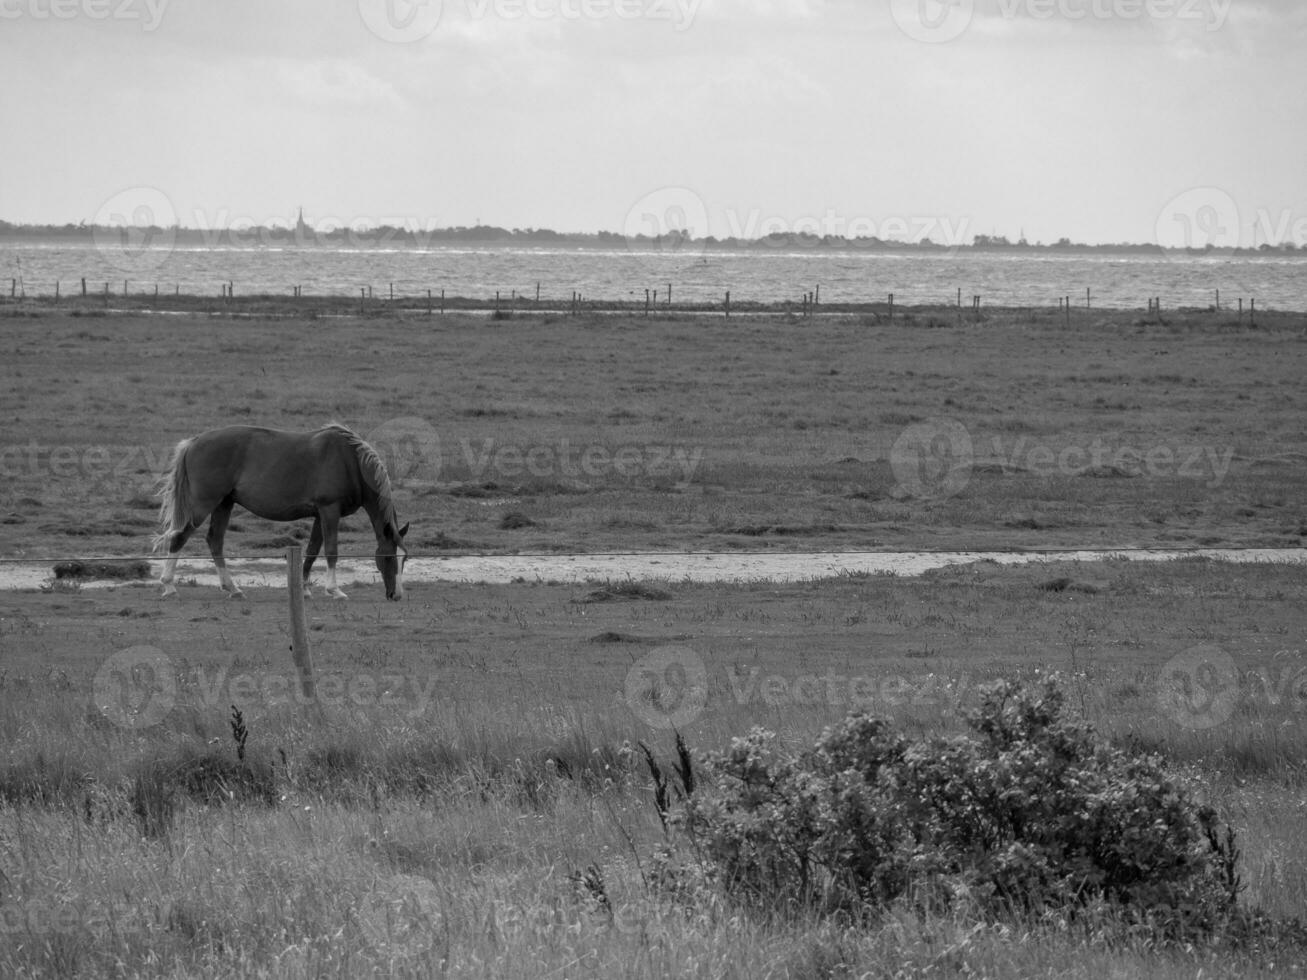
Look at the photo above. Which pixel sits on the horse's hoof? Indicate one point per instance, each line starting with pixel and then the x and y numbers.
pixel 337 594
pixel 238 594
pixel 168 590
pixel 308 593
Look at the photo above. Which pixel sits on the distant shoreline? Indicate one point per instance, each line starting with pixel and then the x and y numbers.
pixel 484 236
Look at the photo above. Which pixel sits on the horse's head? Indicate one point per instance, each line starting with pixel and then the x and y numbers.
pixel 390 560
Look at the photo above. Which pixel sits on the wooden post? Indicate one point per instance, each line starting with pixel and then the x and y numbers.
pixel 728 302
pixel 428 302
pixel 299 631
pixel 891 307
pixel 669 294
pixel 646 302
pixel 124 287
pixel 442 302
pixel 56 290
pixel 959 297
pixel 537 292
pixel 1252 312
pixel 496 300
pixel 392 292
pixel 1218 301
pixel 816 295
pixel 1086 297
pixel 83 287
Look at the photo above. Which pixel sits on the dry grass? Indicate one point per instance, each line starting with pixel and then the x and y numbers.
pixel 479 747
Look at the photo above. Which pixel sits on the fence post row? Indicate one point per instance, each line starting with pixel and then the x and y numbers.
pixel 810 299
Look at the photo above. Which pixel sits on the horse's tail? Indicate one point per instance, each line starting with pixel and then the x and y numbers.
pixel 175 493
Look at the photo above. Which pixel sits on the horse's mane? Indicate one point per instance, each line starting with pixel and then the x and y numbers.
pixel 374 470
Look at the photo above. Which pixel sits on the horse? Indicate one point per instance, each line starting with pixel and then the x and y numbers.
pixel 326 474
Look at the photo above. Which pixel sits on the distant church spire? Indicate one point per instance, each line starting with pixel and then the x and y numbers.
pixel 303 232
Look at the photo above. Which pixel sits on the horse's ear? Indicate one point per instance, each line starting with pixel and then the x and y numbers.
pixel 403 531
pixel 390 534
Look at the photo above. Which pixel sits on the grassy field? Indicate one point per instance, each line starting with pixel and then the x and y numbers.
pixel 479 749
pixel 616 433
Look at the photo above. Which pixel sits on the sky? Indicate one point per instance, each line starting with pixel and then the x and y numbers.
pixel 1169 121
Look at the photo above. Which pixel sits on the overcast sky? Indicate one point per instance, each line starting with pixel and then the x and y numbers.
pixel 1099 120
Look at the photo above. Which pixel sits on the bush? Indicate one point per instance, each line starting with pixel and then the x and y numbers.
pixel 1030 811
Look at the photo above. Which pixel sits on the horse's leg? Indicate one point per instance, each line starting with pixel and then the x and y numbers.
pixel 175 545
pixel 217 531
pixel 315 545
pixel 330 517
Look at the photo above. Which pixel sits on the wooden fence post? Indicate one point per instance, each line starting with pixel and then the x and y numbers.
pixel 299 631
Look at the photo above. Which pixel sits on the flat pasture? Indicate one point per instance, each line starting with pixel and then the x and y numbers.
pixel 585 434
pixel 478 752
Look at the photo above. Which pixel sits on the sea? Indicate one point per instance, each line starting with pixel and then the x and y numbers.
pixel 690 273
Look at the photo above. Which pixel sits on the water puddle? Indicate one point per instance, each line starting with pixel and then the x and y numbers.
pixel 694 567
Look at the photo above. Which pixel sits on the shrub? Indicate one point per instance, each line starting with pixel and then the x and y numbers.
pixel 1030 811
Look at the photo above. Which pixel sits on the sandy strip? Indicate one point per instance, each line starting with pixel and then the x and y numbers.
pixel 694 567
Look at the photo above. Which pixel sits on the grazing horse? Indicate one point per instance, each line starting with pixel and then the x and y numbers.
pixel 326 474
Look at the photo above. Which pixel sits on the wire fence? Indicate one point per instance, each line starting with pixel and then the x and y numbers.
pixel 660 299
